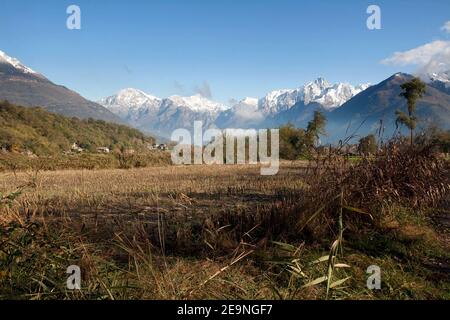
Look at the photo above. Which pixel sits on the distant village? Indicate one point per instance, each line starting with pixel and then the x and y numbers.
pixel 75 148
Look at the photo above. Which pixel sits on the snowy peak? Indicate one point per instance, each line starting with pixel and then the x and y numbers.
pixel 131 98
pixel 322 83
pixel 315 89
pixel 131 93
pixel 331 96
pixel 317 86
pixel 318 91
pixel 280 100
pixel 441 76
pixel 164 115
pixel 131 103
pixel 4 58
pixel 336 95
pixel 197 103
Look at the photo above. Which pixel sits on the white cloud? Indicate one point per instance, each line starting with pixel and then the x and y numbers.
pixel 418 56
pixel 433 57
pixel 204 90
pixel 249 113
pixel 446 27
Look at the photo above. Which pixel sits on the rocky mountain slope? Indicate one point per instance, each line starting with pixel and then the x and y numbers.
pixel 21 85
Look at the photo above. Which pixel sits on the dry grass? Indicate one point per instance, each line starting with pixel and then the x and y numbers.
pixel 107 217
pixel 198 232
pixel 190 190
pixel 14 162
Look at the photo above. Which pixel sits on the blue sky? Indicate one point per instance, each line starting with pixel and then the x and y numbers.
pixel 239 48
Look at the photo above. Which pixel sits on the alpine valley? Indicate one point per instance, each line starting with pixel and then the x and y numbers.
pixel 350 109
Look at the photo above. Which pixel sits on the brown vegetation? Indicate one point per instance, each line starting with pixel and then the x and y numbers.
pixel 228 232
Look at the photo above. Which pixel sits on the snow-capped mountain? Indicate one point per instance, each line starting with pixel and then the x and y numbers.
pixel 23 86
pixel 441 76
pixel 279 100
pixel 181 112
pixel 130 104
pixel 197 103
pixel 16 64
pixel 314 90
pixel 319 91
pixel 341 102
pixel 336 95
pixel 162 116
pixel 440 81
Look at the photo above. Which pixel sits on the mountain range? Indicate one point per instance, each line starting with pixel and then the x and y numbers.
pixel 359 110
pixel 162 116
pixel 350 110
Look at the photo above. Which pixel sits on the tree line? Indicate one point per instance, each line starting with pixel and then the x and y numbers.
pixel 44 133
